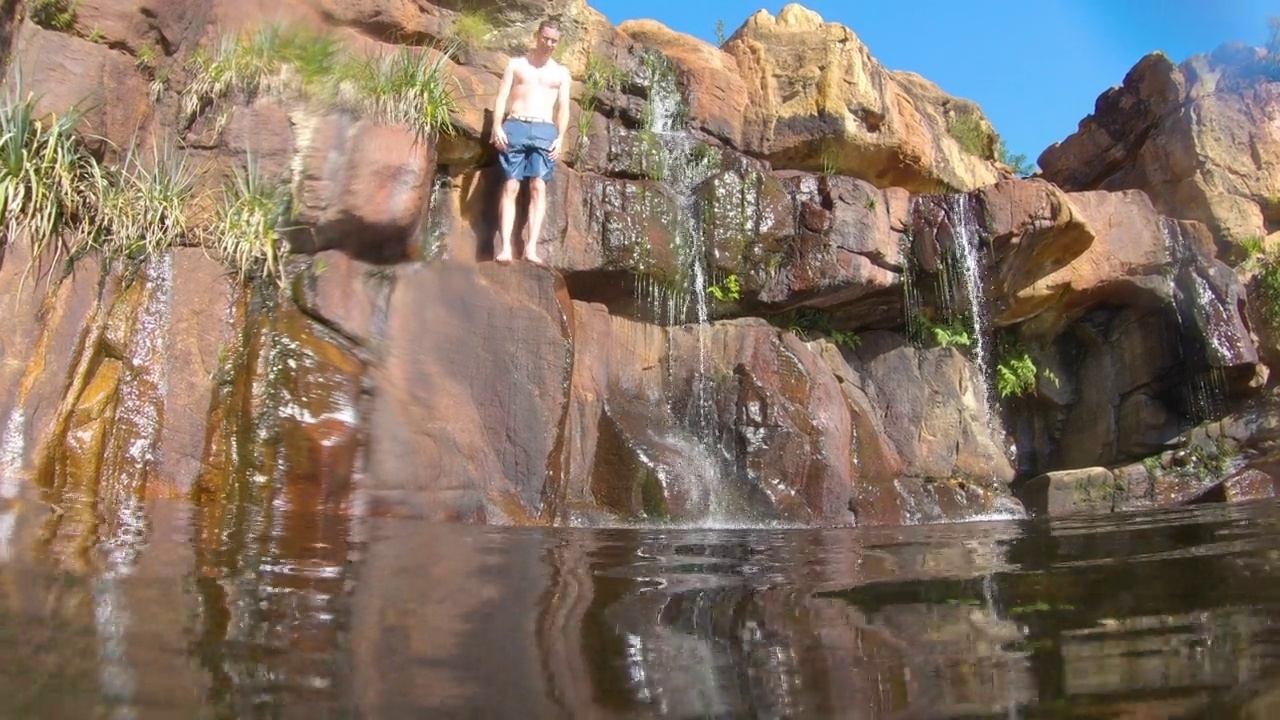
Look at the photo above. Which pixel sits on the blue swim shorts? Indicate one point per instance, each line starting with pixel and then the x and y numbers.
pixel 528 149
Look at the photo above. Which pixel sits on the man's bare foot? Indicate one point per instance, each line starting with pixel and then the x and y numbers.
pixel 533 257
pixel 503 257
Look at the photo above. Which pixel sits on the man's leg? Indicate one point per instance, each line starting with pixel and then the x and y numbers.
pixel 537 211
pixel 506 219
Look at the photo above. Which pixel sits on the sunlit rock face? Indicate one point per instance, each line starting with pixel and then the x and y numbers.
pixel 1199 138
pixel 804 94
pixel 772 294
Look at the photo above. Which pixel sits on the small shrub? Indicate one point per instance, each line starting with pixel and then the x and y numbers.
pixel 1267 282
pixel 245 232
pixel 971 134
pixel 720 38
pixel 52 14
pixel 829 161
pixel 471 29
pixel 147 57
pixel 144 206
pixel 728 290
pixel 1016 375
pixel 803 322
pixel 844 337
pixel 47 181
pixel 1017 162
pixel 1153 466
pixel 953 333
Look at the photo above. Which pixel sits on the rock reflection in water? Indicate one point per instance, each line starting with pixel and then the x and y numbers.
pixel 275 611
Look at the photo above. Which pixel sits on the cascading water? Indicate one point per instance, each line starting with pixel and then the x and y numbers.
pixel 681 170
pixel 966 247
pixel 124 526
pixel 960 289
pixel 1200 339
pixel 12 446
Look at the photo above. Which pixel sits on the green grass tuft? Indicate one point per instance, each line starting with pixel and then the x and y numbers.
pixel 46 179
pixel 145 205
pixel 52 14
pixel 971 134
pixel 472 29
pixel 246 231
pixel 408 89
pixel 405 86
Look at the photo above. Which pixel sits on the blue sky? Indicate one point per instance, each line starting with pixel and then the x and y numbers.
pixel 1035 66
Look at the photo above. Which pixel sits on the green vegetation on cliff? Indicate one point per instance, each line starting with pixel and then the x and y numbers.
pixel 245 233
pixel 56 194
pixel 407 86
pixel 52 14
pixel 472 28
pixel 47 181
pixel 1265 266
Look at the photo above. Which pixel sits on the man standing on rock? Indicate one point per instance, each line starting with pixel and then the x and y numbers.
pixel 534 89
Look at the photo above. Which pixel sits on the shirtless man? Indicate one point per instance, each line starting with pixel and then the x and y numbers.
pixel 534 88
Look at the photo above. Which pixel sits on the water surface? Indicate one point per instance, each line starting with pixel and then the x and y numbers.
pixel 1161 614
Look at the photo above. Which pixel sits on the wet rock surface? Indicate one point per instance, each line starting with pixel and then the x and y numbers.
pixel 766 298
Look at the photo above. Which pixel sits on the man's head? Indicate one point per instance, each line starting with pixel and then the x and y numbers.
pixel 546 37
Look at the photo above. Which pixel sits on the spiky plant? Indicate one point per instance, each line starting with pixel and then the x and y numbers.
pixel 406 87
pixel 239 66
pixel 45 176
pixel 245 233
pixel 145 204
pixel 401 87
pixel 52 14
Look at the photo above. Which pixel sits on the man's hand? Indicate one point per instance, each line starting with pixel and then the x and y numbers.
pixel 554 150
pixel 499 137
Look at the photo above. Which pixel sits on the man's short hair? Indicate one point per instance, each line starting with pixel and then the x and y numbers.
pixel 552 23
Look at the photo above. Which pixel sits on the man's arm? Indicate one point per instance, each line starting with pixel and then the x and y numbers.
pixel 500 106
pixel 562 113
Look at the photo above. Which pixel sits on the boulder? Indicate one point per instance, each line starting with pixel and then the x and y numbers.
pixel 715 90
pixel 1083 491
pixel 930 409
pixel 817 100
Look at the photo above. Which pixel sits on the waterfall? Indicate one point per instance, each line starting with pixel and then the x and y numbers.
pixel 681 170
pixel 967 246
pixel 136 438
pixel 960 288
pixel 12 447
pixel 1201 340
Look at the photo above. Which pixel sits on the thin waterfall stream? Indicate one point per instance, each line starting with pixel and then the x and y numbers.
pixel 681 170
pixel 12 447
pixel 968 248
pixel 1200 338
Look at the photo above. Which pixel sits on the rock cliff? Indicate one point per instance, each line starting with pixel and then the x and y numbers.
pixel 813 298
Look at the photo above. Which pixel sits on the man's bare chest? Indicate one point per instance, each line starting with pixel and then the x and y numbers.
pixel 548 76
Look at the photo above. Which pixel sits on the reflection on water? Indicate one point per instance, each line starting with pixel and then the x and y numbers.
pixel 280 613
